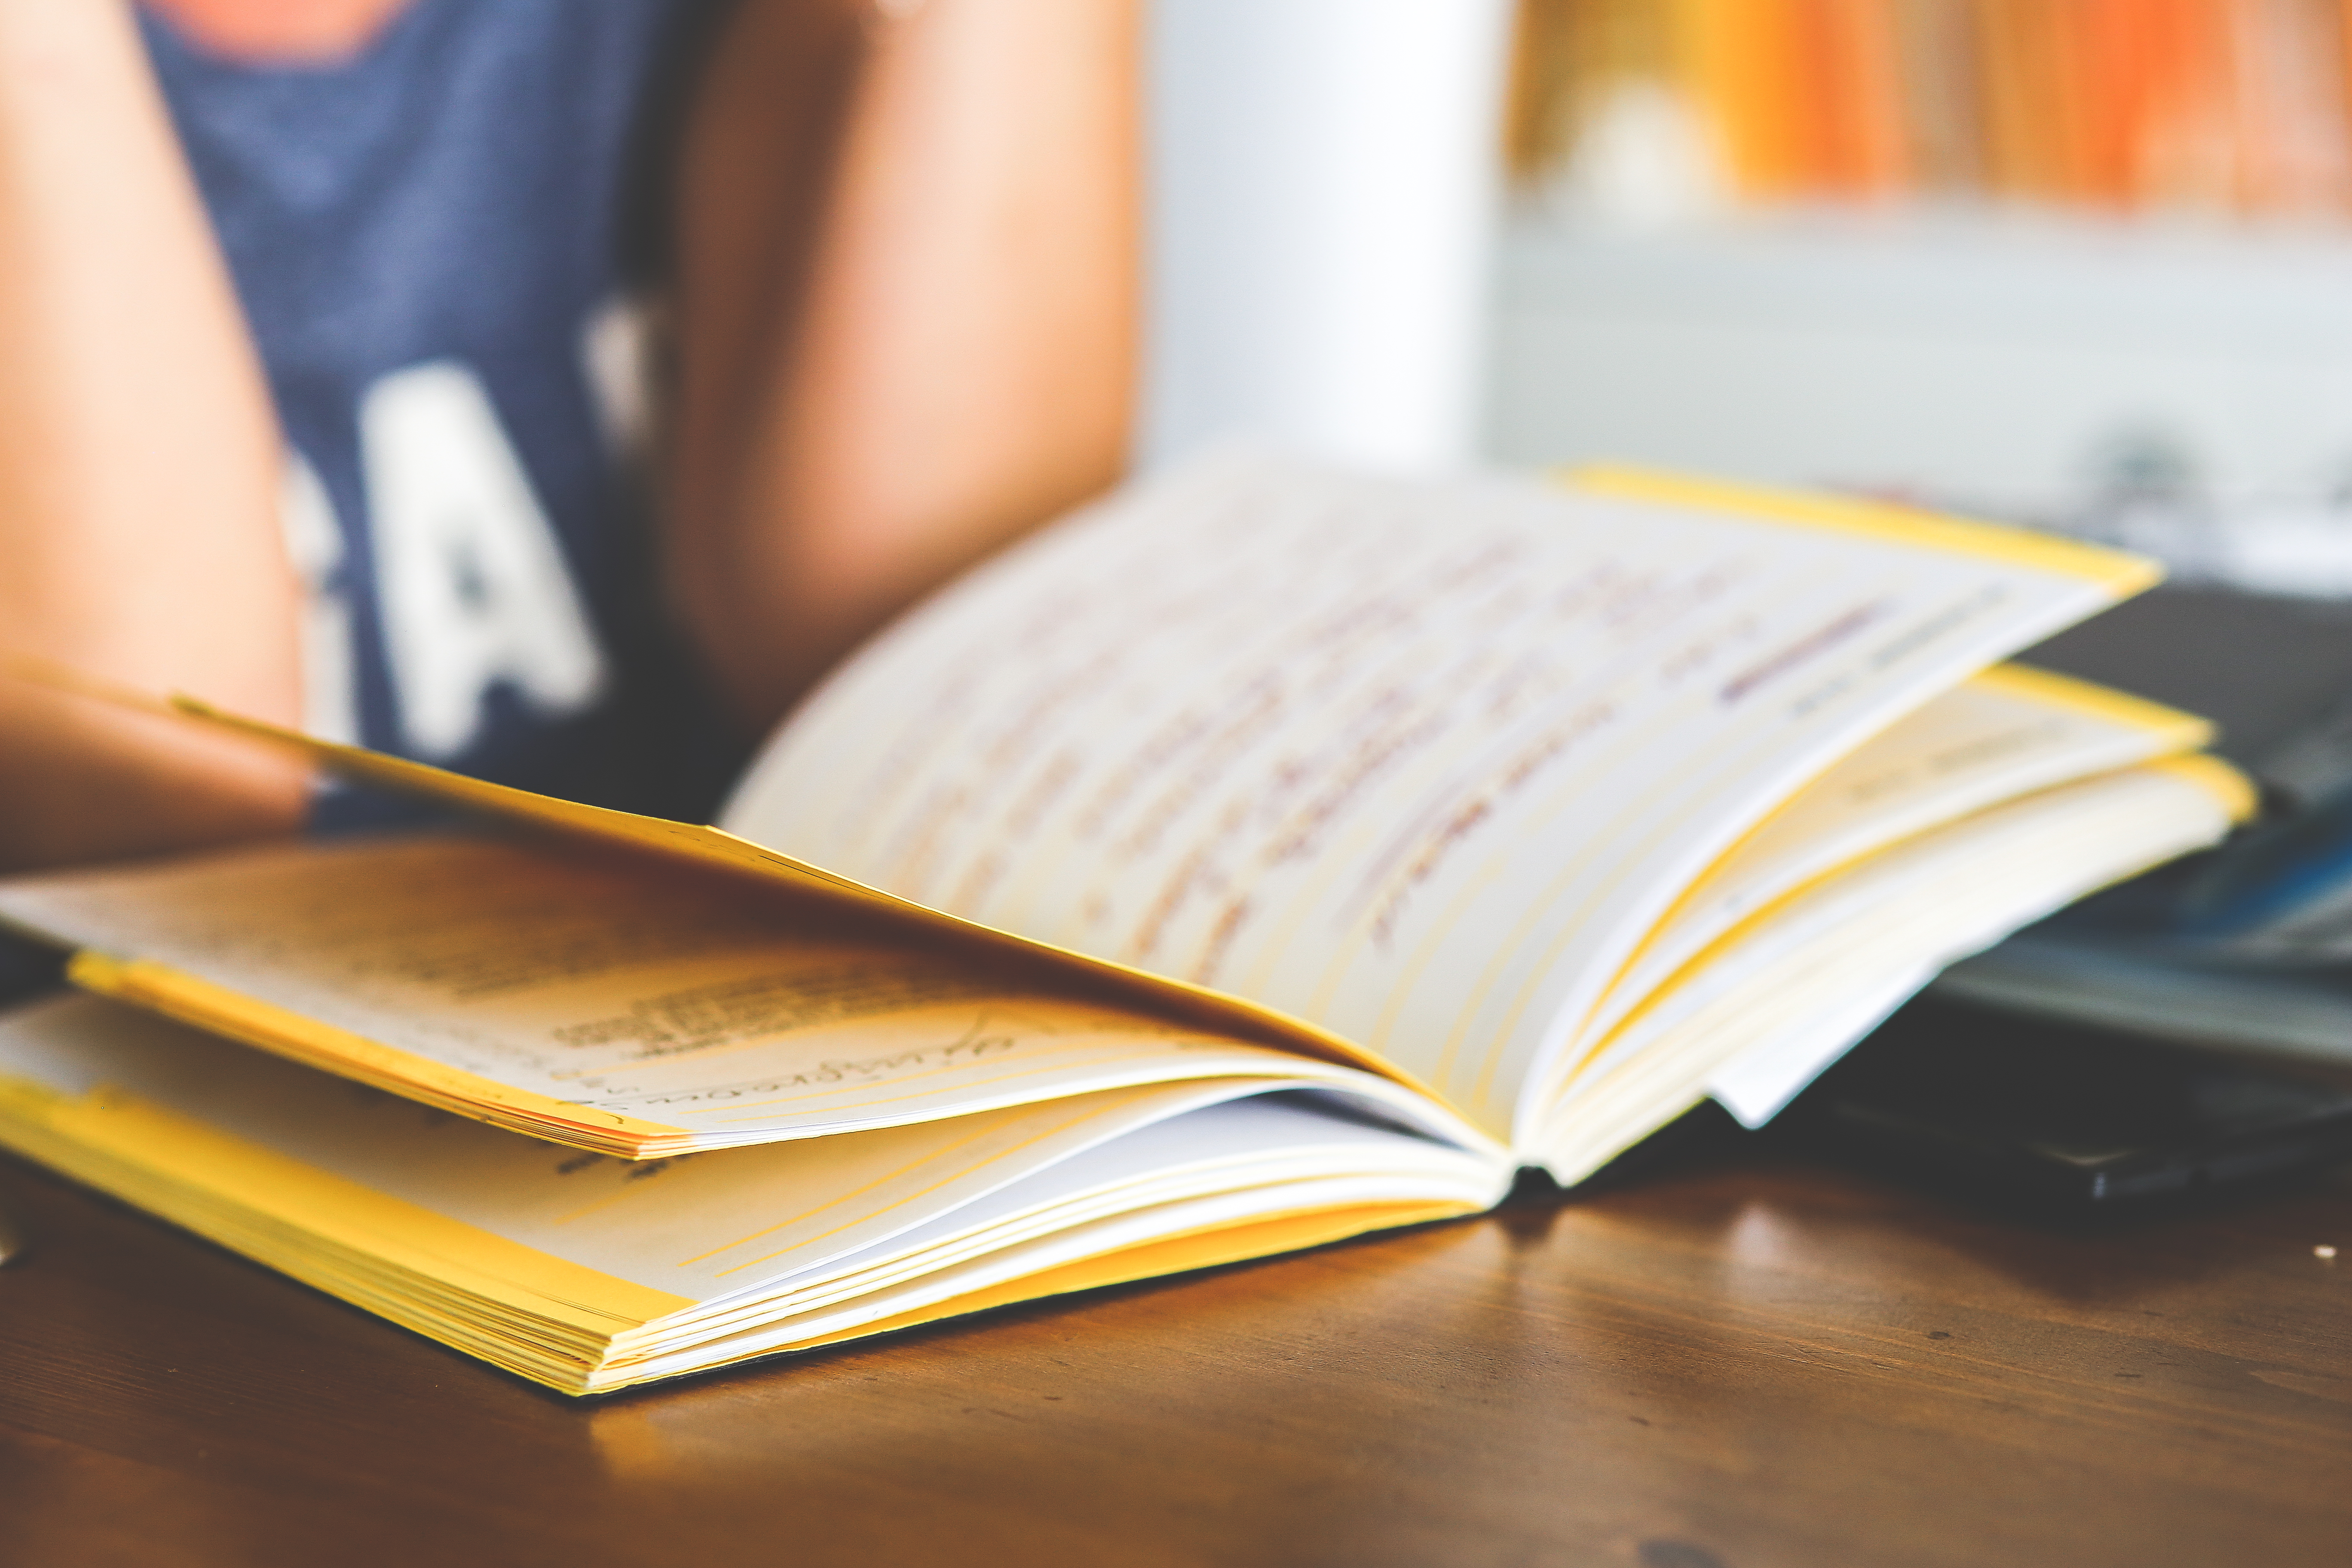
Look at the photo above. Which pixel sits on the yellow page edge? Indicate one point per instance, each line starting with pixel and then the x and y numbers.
pixel 2237 794
pixel 2229 789
pixel 2188 730
pixel 202 1166
pixel 2232 789
pixel 1210 1247
pixel 2117 570
pixel 2173 727
pixel 224 1169
pixel 160 988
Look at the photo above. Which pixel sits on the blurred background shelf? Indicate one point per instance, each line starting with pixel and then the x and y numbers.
pixel 2080 263
pixel 2084 264
pixel 2032 364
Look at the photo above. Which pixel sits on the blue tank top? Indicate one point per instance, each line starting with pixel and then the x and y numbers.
pixel 438 245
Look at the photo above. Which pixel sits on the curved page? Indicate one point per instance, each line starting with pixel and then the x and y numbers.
pixel 588 1273
pixel 2004 733
pixel 1784 994
pixel 610 1003
pixel 1418 762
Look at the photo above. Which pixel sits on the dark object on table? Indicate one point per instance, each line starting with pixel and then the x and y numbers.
pixel 2264 669
pixel 27 969
pixel 2060 1122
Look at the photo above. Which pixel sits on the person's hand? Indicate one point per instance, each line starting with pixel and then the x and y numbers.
pixel 139 464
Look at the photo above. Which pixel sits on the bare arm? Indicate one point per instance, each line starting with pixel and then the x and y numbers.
pixel 139 464
pixel 908 311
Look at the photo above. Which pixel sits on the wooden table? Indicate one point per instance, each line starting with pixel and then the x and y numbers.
pixel 1746 1360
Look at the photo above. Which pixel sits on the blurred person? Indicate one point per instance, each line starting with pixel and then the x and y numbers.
pixel 321 325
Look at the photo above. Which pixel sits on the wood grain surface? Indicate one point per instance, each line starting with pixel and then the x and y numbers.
pixel 1746 1360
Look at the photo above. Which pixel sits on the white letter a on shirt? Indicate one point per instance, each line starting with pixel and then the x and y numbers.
pixel 473 587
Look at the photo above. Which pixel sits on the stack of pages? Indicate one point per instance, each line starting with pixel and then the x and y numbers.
pixel 1260 858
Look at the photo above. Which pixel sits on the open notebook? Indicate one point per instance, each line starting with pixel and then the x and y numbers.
pixel 1262 856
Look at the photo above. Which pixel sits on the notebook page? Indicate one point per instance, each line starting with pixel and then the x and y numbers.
pixel 682 1010
pixel 707 1230
pixel 1416 762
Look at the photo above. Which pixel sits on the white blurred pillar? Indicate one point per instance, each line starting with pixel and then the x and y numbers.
pixel 1325 183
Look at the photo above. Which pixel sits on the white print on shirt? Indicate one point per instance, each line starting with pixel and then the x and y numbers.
pixel 473 587
pixel 617 358
pixel 315 547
